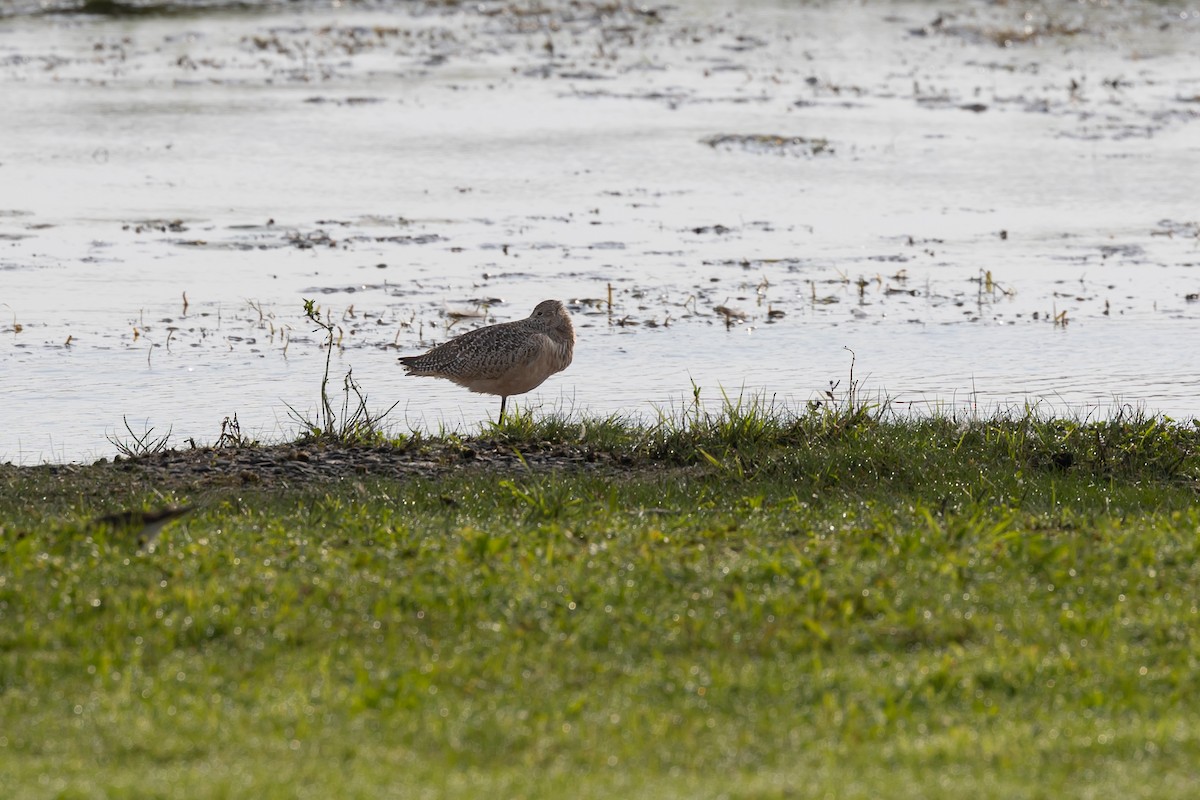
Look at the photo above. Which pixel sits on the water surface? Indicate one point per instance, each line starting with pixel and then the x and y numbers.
pixel 990 206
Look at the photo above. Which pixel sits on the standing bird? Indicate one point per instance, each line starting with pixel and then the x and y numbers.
pixel 506 359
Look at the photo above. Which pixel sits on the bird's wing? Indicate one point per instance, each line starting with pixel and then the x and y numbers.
pixel 485 352
pixel 442 354
pixel 520 350
pixel 535 345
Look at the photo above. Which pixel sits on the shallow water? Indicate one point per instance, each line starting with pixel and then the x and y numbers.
pixel 982 225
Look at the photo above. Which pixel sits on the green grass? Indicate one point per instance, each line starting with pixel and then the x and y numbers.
pixel 755 603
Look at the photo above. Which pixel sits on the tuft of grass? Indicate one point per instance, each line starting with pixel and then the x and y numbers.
pixel 526 425
pixel 842 432
pixel 139 445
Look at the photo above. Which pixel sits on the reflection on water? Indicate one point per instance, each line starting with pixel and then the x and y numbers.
pixel 983 225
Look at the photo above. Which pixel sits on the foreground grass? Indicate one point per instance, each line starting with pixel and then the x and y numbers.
pixel 755 605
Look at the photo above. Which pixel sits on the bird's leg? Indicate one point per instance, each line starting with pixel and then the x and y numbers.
pixel 503 401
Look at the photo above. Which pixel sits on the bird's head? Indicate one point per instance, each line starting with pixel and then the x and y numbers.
pixel 552 315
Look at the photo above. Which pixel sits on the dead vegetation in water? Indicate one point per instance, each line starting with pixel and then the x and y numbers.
pixel 1033 26
pixel 771 144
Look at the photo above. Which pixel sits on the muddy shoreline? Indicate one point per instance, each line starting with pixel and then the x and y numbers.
pixel 205 470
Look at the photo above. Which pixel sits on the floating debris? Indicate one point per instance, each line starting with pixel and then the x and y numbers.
pixel 731 316
pixel 160 225
pixel 459 314
pixel 771 144
pixel 345 101
pixel 718 229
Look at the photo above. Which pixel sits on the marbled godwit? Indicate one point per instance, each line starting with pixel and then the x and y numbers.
pixel 506 359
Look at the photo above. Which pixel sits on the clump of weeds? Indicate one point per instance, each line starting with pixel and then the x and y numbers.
pixel 355 423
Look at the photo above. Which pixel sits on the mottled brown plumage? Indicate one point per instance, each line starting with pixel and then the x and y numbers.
pixel 506 359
